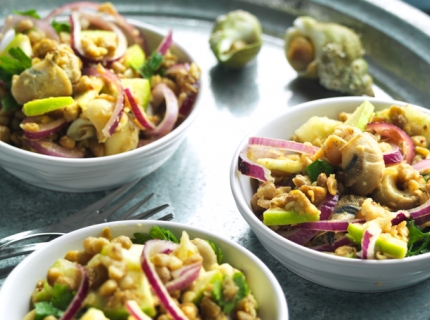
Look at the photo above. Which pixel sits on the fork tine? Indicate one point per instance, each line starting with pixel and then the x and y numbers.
pixel 148 213
pixel 100 204
pixel 167 217
pixel 133 209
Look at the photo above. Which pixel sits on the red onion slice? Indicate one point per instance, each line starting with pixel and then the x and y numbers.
pixel 368 242
pixel 166 43
pixel 50 148
pixel 252 169
pixel 184 277
pixel 283 144
pixel 171 115
pixel 134 310
pixel 329 225
pixel 160 246
pixel 393 156
pixel 113 121
pixel 45 130
pixel 79 297
pixel 422 165
pixel 98 21
pixel 400 217
pixel 12 21
pixel 397 135
pixel 421 214
pixel 138 111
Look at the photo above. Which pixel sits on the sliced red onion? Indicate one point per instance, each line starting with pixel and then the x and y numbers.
pixel 368 242
pixel 113 121
pixel 50 148
pixel 331 247
pixel 102 24
pixel 79 297
pixel 400 217
pixel 393 156
pixel 397 135
pixel 7 38
pixel 252 169
pixel 283 144
pixel 133 34
pixel 328 225
pixel 138 111
pixel 422 165
pixel 184 277
pixel 421 214
pixel 171 115
pixel 12 21
pixel 160 246
pixel 166 43
pixel 303 235
pixel 45 130
pixel 134 310
pixel 183 68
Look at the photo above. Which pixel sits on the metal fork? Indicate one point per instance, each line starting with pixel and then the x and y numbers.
pixel 93 214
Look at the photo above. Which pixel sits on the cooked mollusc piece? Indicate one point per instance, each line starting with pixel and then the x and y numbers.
pixel 236 38
pixel 330 52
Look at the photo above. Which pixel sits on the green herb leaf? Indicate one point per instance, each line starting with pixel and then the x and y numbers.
pixel 9 103
pixel 155 233
pixel 419 242
pixel 151 66
pixel 227 304
pixel 31 13
pixel 316 168
pixel 61 26
pixel 15 64
pixel 217 250
pixel 44 309
pixel 61 296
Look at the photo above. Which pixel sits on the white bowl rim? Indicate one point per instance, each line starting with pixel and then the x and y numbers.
pixel 279 294
pixel 32 156
pixel 238 196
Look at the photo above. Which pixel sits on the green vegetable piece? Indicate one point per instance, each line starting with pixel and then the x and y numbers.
pixel 279 217
pixel 140 88
pixel 14 63
pixel 21 41
pixel 419 242
pixel 134 57
pixel 163 234
pixel 8 102
pixel 217 291
pixel 361 116
pixel 218 252
pixel 61 296
pixel 151 66
pixel 61 26
pixel 209 278
pixel 30 13
pixel 316 168
pixel 42 106
pixel 385 243
pixel 44 309
pixel 236 38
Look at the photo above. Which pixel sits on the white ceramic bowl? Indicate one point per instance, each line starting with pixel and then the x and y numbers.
pixel 93 174
pixel 17 288
pixel 327 270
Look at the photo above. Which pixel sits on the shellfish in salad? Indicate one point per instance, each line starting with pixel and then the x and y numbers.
pixel 81 82
pixel 329 52
pixel 356 186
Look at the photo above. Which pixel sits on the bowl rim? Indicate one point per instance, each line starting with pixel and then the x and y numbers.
pixel 251 219
pixel 41 158
pixel 95 229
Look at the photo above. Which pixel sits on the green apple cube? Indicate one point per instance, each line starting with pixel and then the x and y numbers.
pixel 361 116
pixel 279 217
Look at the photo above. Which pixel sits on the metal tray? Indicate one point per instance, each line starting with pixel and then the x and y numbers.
pixel 195 180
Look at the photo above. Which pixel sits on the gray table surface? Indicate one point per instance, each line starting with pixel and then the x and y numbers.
pixel 195 181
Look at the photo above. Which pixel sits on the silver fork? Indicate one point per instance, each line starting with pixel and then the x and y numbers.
pixel 93 214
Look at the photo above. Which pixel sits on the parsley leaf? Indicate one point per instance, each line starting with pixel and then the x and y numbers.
pixel 15 64
pixel 61 296
pixel 61 26
pixel 8 102
pixel 316 168
pixel 217 292
pixel 155 233
pixel 151 66
pixel 419 242
pixel 217 250
pixel 31 13
pixel 44 309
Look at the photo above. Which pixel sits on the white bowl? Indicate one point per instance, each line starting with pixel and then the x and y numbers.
pixel 94 174
pixel 17 288
pixel 324 269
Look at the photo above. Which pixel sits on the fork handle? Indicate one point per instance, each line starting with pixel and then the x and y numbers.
pixel 17 251
pixel 21 236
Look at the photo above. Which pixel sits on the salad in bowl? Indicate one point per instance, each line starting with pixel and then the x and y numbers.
pixel 142 270
pixel 81 82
